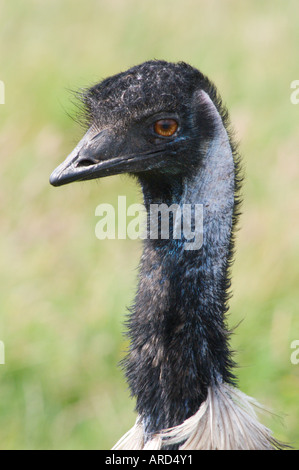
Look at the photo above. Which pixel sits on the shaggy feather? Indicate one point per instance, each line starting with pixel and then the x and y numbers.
pixel 133 439
pixel 226 420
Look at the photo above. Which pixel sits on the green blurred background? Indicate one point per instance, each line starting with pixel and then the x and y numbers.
pixel 63 292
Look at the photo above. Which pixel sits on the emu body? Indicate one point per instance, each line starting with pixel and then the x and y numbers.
pixel 179 364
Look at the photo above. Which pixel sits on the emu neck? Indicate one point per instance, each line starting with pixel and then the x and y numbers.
pixel 179 340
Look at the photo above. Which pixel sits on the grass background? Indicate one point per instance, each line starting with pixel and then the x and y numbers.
pixel 63 292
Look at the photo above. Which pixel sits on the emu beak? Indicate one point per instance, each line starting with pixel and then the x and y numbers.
pixel 106 154
pixel 91 158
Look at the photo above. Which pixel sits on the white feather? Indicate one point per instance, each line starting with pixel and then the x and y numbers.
pixel 133 439
pixel 227 420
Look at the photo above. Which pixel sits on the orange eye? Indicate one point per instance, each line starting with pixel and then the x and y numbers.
pixel 165 127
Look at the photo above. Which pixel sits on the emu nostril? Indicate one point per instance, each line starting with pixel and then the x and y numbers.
pixel 85 162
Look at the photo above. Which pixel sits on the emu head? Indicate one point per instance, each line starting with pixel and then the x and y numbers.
pixel 152 120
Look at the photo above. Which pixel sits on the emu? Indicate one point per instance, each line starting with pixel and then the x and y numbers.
pixel 165 124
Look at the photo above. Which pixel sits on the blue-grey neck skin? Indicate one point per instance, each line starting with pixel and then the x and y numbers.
pixel 179 338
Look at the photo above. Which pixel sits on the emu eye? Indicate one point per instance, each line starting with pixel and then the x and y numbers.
pixel 165 127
